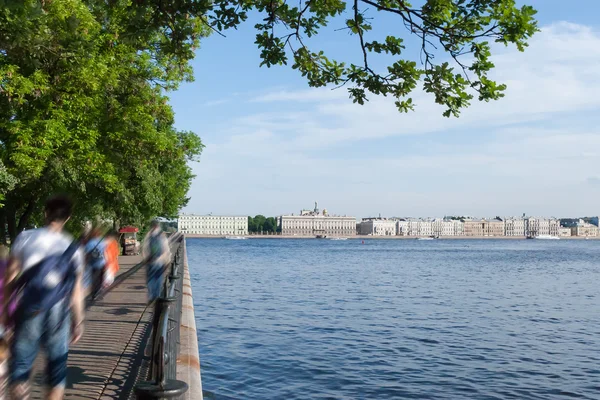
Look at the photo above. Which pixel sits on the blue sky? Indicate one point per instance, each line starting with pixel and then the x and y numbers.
pixel 274 145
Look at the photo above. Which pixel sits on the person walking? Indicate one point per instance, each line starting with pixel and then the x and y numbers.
pixel 45 272
pixel 111 255
pixel 95 262
pixel 157 255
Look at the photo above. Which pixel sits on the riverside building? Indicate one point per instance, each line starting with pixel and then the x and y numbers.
pixel 213 225
pixel 484 228
pixel 314 222
pixel 447 227
pixel 514 227
pixel 541 226
pixel 584 229
pixel 377 227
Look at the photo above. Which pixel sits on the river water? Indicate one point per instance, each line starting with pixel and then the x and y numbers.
pixel 397 319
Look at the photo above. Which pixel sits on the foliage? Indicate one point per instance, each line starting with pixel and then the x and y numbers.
pixel 7 181
pixel 458 30
pixel 83 108
pixel 262 224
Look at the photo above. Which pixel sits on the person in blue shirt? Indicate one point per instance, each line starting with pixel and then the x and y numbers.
pixel 157 256
pixel 95 261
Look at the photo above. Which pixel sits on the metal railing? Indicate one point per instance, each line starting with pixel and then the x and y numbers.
pixel 166 323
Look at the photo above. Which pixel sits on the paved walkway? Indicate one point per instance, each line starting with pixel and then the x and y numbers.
pixel 109 359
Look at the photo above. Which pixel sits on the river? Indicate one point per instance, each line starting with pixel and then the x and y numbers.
pixel 397 319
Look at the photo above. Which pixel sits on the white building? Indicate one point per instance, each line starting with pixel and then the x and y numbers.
pixel 584 229
pixel 215 225
pixel 414 227
pixel 425 228
pixel 447 227
pixel 377 227
pixel 564 232
pixel 554 227
pixel 312 223
pixel 542 226
pixel 402 227
pixel 514 227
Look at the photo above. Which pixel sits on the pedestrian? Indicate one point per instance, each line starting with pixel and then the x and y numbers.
pixel 157 255
pixel 111 255
pixel 95 262
pixel 45 272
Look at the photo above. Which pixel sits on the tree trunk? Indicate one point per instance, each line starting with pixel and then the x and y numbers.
pixel 2 227
pixel 26 215
pixel 10 221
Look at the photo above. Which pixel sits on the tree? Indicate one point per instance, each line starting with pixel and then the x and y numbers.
pixel 259 222
pixel 83 108
pixel 270 225
pixel 457 31
pixel 251 225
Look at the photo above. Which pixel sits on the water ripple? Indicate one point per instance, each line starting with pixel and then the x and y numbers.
pixel 293 319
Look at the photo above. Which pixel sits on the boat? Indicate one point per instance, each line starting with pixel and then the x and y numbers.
pixel 338 238
pixel 431 237
pixel 321 236
pixel 547 237
pixel 235 237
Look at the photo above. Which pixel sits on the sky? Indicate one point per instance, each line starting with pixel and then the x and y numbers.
pixel 275 146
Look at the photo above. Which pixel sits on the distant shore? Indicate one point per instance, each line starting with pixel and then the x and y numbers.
pixel 359 237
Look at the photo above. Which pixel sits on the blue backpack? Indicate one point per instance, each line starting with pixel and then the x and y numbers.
pixel 46 283
pixel 95 255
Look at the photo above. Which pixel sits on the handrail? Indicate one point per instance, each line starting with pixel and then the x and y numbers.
pixel 162 382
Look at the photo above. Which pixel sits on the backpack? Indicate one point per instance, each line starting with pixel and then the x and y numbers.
pixel 46 283
pixel 95 257
pixel 156 248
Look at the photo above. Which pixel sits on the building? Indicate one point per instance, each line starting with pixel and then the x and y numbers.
pixel 584 229
pixel 447 227
pixel 484 228
pixel 314 222
pixel 554 227
pixel 215 225
pixel 514 227
pixel 541 226
pixel 425 228
pixel 416 227
pixel 474 227
pixel 402 227
pixel 564 232
pixel 493 227
pixel 377 227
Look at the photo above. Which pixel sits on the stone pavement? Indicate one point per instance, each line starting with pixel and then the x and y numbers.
pixel 109 359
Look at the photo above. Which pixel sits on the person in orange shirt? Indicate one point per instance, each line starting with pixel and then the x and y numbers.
pixel 111 255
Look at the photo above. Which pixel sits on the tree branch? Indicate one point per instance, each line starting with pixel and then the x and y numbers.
pixel 360 35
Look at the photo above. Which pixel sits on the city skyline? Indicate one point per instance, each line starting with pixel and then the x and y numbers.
pixel 399 216
pixel 272 143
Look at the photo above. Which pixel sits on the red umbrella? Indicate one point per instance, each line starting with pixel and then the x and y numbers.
pixel 129 229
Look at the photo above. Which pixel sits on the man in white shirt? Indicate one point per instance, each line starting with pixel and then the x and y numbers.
pixel 57 326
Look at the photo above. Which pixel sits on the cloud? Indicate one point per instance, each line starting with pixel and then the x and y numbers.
pixel 528 152
pixel 213 103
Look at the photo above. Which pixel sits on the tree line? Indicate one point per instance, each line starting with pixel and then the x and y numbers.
pixel 84 85
pixel 262 224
